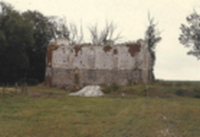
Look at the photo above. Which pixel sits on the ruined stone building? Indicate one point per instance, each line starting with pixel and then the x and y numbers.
pixel 97 64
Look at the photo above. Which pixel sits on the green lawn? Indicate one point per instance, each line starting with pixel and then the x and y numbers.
pixel 49 112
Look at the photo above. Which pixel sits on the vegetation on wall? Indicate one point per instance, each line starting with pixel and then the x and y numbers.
pixel 152 36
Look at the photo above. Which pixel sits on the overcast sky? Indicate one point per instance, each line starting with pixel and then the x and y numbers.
pixel 131 18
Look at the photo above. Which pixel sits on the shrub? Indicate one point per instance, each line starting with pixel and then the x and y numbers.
pixel 178 84
pixel 196 93
pixel 111 88
pixel 106 89
pixel 114 87
pixel 179 92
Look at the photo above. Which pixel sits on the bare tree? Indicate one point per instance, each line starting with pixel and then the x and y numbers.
pixel 69 31
pixel 106 36
pixel 75 37
pixel 62 29
pixel 94 34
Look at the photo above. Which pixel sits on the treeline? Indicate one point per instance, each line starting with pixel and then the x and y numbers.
pixel 24 38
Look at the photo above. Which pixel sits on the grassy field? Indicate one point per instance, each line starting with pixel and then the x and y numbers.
pixel 46 112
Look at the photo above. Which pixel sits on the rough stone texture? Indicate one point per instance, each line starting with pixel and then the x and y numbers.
pixel 94 64
pixel 89 91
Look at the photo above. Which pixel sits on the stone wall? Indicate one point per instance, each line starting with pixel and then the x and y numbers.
pixel 96 64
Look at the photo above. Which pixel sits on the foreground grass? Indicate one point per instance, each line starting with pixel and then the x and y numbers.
pixel 52 113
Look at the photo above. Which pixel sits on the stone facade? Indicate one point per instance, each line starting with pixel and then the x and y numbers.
pixel 97 64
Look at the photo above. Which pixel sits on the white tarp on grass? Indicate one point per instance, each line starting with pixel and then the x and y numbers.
pixel 89 91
